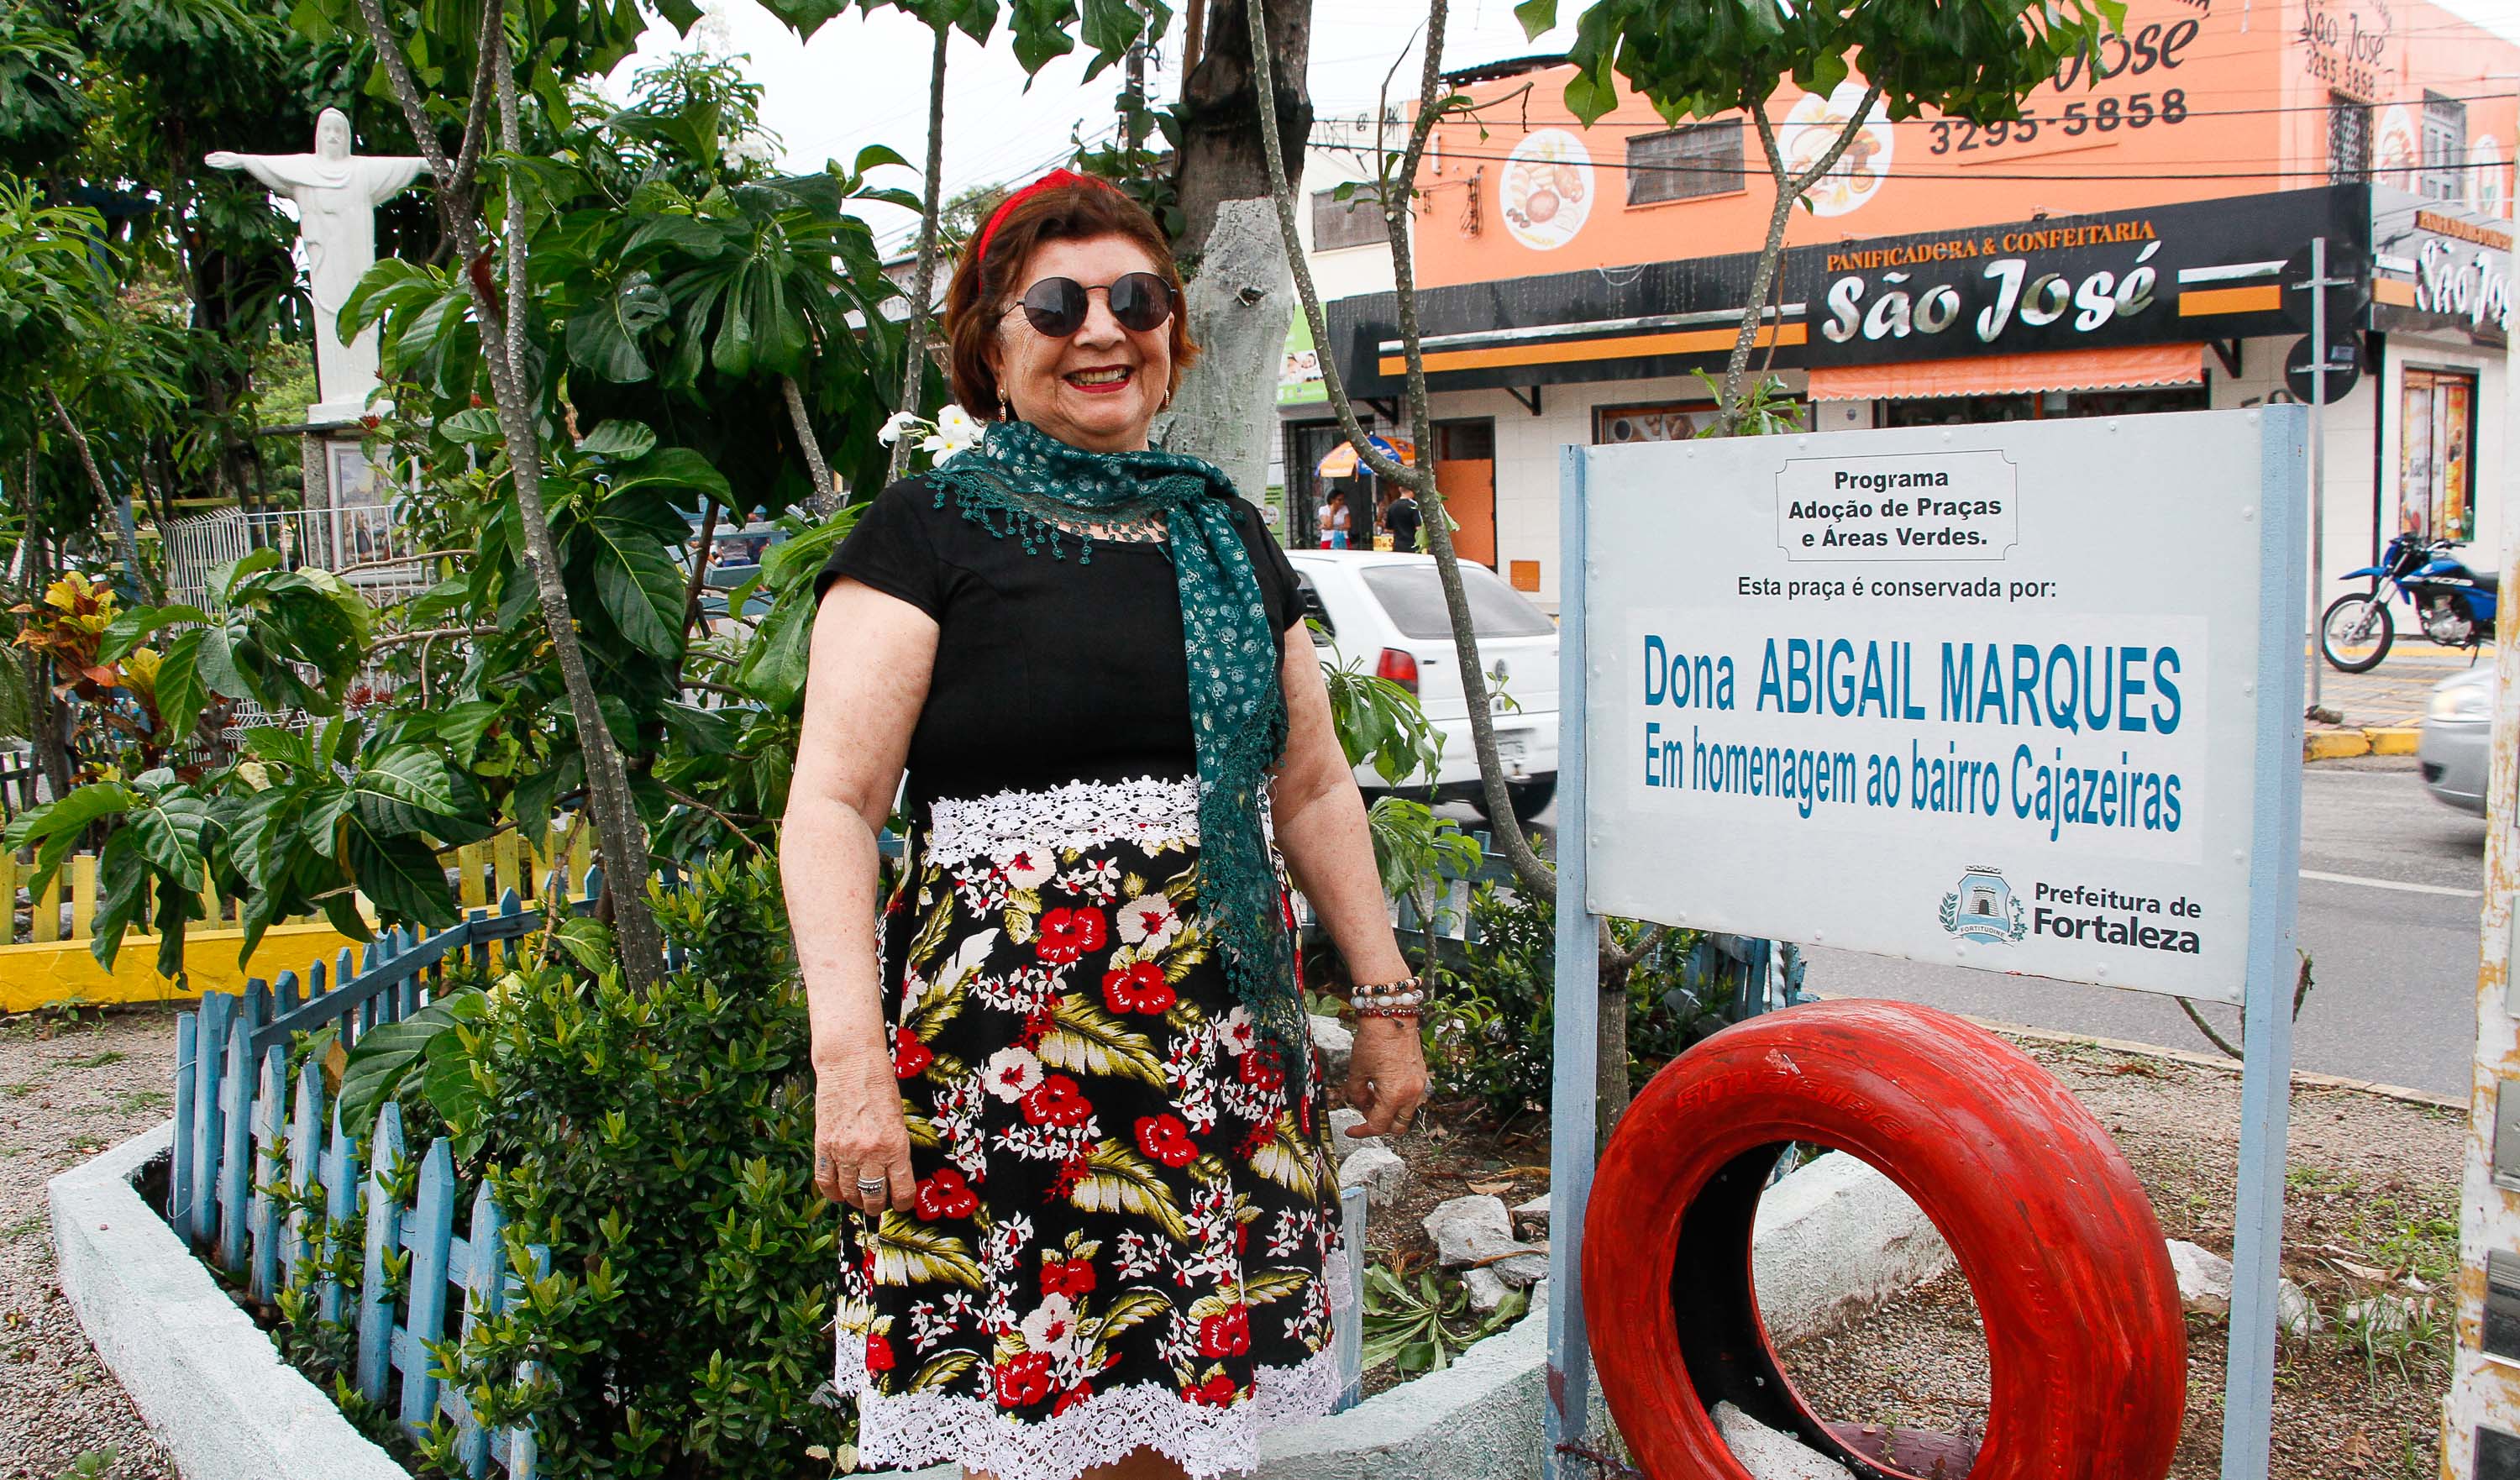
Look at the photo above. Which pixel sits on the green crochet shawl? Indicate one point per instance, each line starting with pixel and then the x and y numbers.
pixel 1025 483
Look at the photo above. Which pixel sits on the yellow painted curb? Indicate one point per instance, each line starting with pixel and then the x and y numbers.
pixel 2335 744
pixel 2397 739
pixel 62 972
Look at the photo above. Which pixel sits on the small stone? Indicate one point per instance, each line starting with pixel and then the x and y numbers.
pixel 2385 1315
pixel 1769 1455
pixel 2294 1311
pixel 1469 1229
pixel 1341 1143
pixel 2204 1279
pixel 1336 1042
pixel 1531 1218
pixel 1487 1291
pixel 1522 1270
pixel 1378 1170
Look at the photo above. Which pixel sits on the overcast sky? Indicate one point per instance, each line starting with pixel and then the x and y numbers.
pixel 863 79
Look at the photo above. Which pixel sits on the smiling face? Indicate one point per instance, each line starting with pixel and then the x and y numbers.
pixel 1099 388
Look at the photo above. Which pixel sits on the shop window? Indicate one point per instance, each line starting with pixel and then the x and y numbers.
pixel 2436 453
pixel 1665 421
pixel 1356 221
pixel 1682 163
pixel 2040 406
pixel 2445 148
pixel 2349 140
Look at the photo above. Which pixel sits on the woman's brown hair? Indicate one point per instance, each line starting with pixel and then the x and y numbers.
pixel 982 289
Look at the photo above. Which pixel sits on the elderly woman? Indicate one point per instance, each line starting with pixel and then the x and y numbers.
pixel 1068 1093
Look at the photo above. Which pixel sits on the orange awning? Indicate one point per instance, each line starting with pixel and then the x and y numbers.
pixel 2013 373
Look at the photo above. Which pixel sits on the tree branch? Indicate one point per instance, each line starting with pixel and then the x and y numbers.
pixel 827 489
pixel 922 277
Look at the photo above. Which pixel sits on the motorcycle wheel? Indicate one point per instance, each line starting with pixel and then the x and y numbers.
pixel 2346 652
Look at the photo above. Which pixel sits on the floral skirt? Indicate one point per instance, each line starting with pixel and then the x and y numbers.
pixel 1127 1214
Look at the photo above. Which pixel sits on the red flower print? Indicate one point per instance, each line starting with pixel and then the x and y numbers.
pixel 1218 1391
pixel 1141 988
pixel 1066 1276
pixel 878 1357
pixel 1023 1379
pixel 1167 1139
pixel 946 1196
pixel 1067 934
pixel 1073 1397
pixel 1056 1102
pixel 909 1055
pixel 1260 1071
pixel 1226 1335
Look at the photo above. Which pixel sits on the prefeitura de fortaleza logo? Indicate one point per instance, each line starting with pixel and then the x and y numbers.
pixel 1982 907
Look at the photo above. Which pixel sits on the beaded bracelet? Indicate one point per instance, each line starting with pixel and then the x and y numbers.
pixel 1403 998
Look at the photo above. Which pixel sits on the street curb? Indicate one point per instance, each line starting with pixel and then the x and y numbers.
pixel 2375 740
pixel 208 1380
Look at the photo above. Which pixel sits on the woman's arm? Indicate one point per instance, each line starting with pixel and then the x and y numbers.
pixel 1321 824
pixel 870 665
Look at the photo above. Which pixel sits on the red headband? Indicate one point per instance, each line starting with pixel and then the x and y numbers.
pixel 1055 180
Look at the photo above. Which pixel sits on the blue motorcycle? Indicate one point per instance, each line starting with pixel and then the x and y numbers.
pixel 2454 604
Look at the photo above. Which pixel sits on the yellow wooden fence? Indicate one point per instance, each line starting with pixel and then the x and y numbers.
pixel 54 966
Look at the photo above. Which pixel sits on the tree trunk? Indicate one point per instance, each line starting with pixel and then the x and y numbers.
pixel 1610 1088
pixel 1221 156
pixel 1239 305
pixel 922 277
pixel 619 834
pixel 1789 189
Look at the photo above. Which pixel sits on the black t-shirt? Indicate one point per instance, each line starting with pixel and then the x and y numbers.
pixel 1401 518
pixel 1048 669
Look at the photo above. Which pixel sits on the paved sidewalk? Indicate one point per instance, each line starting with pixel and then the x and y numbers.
pixel 2393 696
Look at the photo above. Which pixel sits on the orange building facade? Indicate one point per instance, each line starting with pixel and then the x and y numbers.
pixel 2123 247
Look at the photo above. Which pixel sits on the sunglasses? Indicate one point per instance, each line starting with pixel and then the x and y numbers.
pixel 1056 306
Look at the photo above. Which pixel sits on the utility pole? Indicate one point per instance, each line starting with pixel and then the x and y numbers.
pixel 1133 98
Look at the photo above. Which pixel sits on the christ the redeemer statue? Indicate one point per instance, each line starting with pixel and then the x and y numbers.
pixel 337 194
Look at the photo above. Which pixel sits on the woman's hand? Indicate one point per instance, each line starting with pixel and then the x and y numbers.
pixel 1386 1074
pixel 859 1132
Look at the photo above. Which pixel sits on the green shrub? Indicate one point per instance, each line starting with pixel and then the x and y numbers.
pixel 661 1151
pixel 1490 1019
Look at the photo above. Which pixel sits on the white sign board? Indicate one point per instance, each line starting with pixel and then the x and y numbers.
pixel 1985 695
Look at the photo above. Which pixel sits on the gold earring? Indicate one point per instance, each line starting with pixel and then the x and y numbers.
pixel 1005 414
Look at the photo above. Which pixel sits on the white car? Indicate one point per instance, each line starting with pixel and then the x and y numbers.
pixel 1384 613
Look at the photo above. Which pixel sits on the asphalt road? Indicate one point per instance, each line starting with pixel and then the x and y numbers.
pixel 2391 928
pixel 2393 949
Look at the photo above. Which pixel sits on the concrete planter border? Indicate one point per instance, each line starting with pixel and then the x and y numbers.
pixel 208 1380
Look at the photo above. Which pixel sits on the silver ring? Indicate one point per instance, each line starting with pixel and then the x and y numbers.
pixel 872 1184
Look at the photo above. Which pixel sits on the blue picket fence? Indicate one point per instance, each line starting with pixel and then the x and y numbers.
pixel 242 1130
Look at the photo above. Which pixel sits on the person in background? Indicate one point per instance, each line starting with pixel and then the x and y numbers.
pixel 1335 525
pixel 1400 517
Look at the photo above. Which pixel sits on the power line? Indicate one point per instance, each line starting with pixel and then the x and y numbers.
pixel 1982 174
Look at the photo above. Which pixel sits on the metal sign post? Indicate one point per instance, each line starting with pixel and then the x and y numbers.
pixel 1572 1113
pixel 1947 699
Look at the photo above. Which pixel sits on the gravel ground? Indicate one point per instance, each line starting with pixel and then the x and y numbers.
pixel 68 1091
pixel 2371 1191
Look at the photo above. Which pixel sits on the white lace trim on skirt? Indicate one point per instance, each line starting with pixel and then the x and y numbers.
pixel 1148 810
pixel 911 1430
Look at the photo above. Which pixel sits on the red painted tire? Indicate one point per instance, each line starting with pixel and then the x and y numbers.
pixel 2088 1348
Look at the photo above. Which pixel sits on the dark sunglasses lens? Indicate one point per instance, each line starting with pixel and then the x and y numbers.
pixel 1141 302
pixel 1056 306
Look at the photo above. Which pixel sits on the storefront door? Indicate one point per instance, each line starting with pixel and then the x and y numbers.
pixel 1465 475
pixel 2436 453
